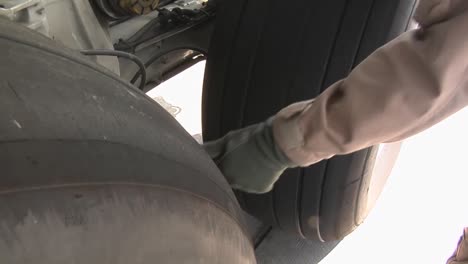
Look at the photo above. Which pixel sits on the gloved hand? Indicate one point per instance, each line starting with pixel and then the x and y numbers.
pixel 249 158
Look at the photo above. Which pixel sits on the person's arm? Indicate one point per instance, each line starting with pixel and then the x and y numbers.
pixel 401 89
pixel 460 256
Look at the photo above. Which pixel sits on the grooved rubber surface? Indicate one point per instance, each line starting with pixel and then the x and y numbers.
pixel 265 55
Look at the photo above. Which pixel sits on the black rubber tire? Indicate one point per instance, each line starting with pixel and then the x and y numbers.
pixel 93 171
pixel 266 54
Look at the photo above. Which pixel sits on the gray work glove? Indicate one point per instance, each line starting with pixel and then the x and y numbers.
pixel 249 158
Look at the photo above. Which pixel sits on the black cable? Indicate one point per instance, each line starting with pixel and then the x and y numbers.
pixel 122 54
pixel 166 21
pixel 175 70
pixel 149 30
pixel 137 36
pixel 157 57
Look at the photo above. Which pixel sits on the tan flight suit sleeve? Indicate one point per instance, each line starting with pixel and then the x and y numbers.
pixel 460 256
pixel 410 84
